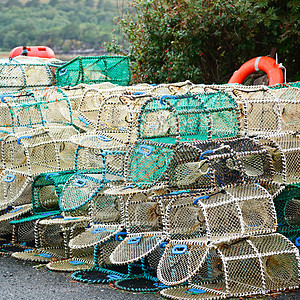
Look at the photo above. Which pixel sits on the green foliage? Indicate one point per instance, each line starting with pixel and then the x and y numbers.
pixel 206 41
pixel 62 25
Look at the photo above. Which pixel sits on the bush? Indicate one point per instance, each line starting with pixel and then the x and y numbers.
pixel 206 41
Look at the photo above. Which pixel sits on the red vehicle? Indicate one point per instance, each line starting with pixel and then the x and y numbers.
pixel 32 51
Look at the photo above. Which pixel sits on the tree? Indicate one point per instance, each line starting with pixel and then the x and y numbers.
pixel 206 41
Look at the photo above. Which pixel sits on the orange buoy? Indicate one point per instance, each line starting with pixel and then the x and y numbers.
pixel 32 51
pixel 261 63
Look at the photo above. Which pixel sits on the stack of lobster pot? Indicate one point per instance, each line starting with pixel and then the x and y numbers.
pixel 208 151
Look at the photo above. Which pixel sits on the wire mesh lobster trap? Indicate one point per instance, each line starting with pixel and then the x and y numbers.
pixel 21 111
pixel 267 111
pixel 26 72
pixel 220 215
pixel 94 69
pixel 287 205
pixel 171 118
pixel 199 165
pixel 27 155
pixel 243 267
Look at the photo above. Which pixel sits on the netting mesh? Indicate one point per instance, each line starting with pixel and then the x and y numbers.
pixel 24 72
pixel 202 164
pixel 234 212
pixel 15 213
pixel 266 110
pixel 190 116
pixel 243 267
pixel 287 205
pixel 289 144
pixel 95 69
pixel 46 190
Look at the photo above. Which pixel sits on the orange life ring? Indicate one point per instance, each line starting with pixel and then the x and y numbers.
pixel 261 63
pixel 33 51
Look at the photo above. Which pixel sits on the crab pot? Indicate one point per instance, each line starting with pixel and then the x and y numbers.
pixel 33 108
pixel 189 116
pixel 199 165
pixel 85 115
pixel 233 212
pixel 260 110
pixel 115 130
pixel 287 205
pixel 252 266
pixel 56 232
pixel 45 191
pixel 103 271
pixel 39 150
pixel 100 108
pixel 94 69
pixel 20 73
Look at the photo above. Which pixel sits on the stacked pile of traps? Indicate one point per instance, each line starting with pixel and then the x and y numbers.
pixel 190 190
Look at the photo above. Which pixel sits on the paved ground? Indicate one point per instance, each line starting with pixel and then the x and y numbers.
pixel 20 280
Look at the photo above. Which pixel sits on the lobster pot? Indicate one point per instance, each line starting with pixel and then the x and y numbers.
pixel 94 69
pixel 25 72
pixel 234 212
pixel 15 188
pixel 251 266
pixel 75 93
pixel 289 144
pixel 273 256
pixel 39 150
pixel 21 111
pixel 46 190
pixel 199 165
pixel 260 110
pixel 287 205
pixel 289 106
pixel 144 224
pixel 189 116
